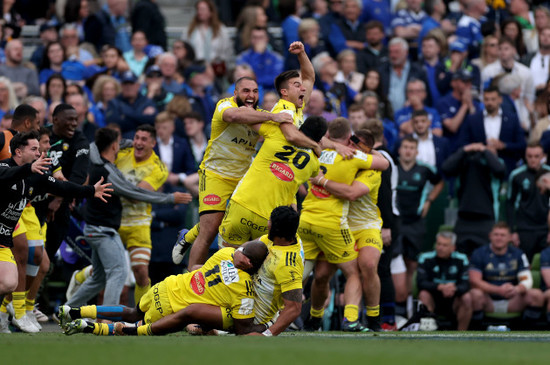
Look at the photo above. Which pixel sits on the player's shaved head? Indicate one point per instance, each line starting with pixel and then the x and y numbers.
pixel 284 223
pixel 256 251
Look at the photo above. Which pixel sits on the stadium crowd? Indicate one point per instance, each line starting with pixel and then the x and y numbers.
pixel 429 121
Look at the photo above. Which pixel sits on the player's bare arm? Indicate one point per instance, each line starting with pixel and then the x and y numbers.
pixel 306 68
pixel 246 115
pixel 292 308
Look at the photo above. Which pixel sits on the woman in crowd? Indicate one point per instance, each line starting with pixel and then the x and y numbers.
pixel 8 100
pixel 136 58
pixel 55 89
pixel 105 88
pixel 52 61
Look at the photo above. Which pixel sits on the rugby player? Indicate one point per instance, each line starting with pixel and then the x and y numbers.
pixel 325 231
pixel 224 282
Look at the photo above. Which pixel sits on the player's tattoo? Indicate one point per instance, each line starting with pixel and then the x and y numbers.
pixel 294 295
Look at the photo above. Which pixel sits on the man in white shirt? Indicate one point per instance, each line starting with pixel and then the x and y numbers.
pixel 539 63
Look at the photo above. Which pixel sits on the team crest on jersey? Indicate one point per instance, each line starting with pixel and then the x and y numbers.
pixel 211 199
pixel 282 171
pixel 319 192
pixel 197 283
pixel 229 273
pixel 65 146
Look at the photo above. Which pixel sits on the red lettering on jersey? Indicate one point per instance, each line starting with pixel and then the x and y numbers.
pixel 319 191
pixel 282 171
pixel 211 199
pixel 355 247
pixel 197 283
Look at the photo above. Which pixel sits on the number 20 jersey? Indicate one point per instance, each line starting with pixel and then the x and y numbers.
pixel 276 173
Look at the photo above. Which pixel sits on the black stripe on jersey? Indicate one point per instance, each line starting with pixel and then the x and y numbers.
pixel 249 288
pixel 217 280
pixel 346 236
pixel 294 259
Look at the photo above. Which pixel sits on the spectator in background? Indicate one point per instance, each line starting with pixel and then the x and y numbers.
pixel 52 60
pixel 40 104
pixel 501 280
pixel 372 83
pixel 316 106
pixel 310 34
pixel 327 23
pixel 75 13
pixel 527 206
pixel 23 78
pixel 208 35
pixel 80 103
pixel 357 117
pixel 489 52
pixel 265 63
pixel 375 51
pixel 8 100
pixel 289 11
pixel 245 70
pixel 179 106
pixel 250 17
pixel 347 70
pixel 457 60
pixel 315 9
pixel 443 281
pixel 378 11
pixel 130 109
pixel 509 86
pixel 539 62
pixel 397 71
pixel 407 23
pixel 498 129
pixel 468 28
pixel 12 21
pixel 109 26
pixel 480 174
pixel 269 100
pixel 348 31
pixel 542 20
pixel 185 54
pixel 153 88
pixel 416 97
pixel 147 17
pixel 172 81
pixel 370 103
pixel 511 29
pixel 5 121
pixel 48 34
pixel 105 88
pixel 69 38
pixel 54 90
pixel 198 89
pixel 136 57
pixel 430 57
pixel 435 11
pixel 194 128
pixel 521 14
pixel 432 150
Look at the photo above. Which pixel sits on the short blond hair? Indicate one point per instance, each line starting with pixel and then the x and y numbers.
pixel 164 117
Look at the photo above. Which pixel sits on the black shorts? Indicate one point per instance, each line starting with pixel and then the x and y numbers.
pixel 411 237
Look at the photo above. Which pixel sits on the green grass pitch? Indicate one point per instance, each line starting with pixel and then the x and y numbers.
pixel 291 348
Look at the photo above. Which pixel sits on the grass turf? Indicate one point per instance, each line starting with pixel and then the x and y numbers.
pixel 301 348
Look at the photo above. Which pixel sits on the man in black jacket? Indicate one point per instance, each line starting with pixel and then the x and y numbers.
pixel 442 279
pixel 146 16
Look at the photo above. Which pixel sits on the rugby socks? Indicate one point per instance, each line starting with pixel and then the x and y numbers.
pixel 101 329
pixel 351 312
pixel 87 311
pixel 29 303
pixel 140 291
pixel 388 312
pixel 145 330
pixel 83 274
pixel 318 313
pixel 373 311
pixel 19 304
pixel 532 313
pixel 4 306
pixel 191 236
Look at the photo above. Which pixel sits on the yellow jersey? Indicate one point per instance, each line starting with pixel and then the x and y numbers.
pixel 276 174
pixel 281 271
pixel 218 282
pixel 231 146
pixel 364 213
pixel 153 171
pixel 320 207
pixel 286 106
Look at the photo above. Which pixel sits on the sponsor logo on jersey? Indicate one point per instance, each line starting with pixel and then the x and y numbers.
pixel 229 272
pixel 319 191
pixel 282 171
pixel 197 283
pixel 211 199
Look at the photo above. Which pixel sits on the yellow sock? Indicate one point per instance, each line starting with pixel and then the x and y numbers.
pixel 317 313
pixel 144 330
pixel 103 329
pixel 140 291
pixel 3 307
pixel 29 304
pixel 88 311
pixel 19 303
pixel 351 312
pixel 373 311
pixel 191 236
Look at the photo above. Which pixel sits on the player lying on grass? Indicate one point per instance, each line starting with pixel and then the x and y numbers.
pixel 224 282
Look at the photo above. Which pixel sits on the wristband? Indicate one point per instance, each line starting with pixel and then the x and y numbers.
pixel 267 333
pixel 325 184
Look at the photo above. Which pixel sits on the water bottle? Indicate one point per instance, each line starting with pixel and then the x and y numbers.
pixel 500 328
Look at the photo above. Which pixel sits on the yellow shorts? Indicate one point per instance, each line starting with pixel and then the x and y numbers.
pixel 156 303
pixel 6 255
pixel 20 227
pixel 241 225
pixel 336 245
pixel 214 191
pixel 368 238
pixel 35 232
pixel 136 236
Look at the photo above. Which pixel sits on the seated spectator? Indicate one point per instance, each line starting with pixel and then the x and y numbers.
pixel 250 17
pixel 172 81
pixel 113 62
pixel 378 11
pixel 208 35
pixel 265 63
pixel 80 103
pixel 105 89
pixel 327 22
pixel 397 71
pixel 348 31
pixel 40 104
pixel 372 83
pixel 511 29
pixel 416 96
pixel 468 28
pixel 489 52
pixel 501 280
pixel 179 106
pixel 52 60
pixel 499 130
pixel 370 103
pixel 356 116
pixel 8 100
pixel 315 9
pixel 316 106
pixel 480 174
pixel 457 60
pixel 109 26
pixel 153 88
pixel 69 38
pixel 136 57
pixel 55 89
pixel 185 55
pixel 523 32
pixel 75 13
pixel 442 281
pixel 270 99
pixel 198 89
pixel 347 70
pixel 147 17
pixel 130 109
pixel 309 34
pixel 48 34
pixel 23 78
pixel 407 22
pixel 375 51
pixel 509 86
pixel 5 121
pixel 194 129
